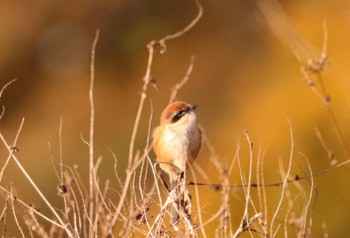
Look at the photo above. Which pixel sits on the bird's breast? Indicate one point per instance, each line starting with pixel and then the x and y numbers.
pixel 175 145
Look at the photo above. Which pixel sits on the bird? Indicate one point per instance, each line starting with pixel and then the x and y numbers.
pixel 176 143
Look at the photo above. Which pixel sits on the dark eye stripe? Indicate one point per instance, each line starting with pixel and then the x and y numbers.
pixel 178 115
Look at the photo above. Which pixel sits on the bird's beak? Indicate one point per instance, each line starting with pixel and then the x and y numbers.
pixel 192 107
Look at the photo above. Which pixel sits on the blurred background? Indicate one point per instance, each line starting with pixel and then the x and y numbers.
pixel 244 78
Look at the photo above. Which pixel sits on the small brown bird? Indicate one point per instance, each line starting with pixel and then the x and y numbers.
pixel 177 141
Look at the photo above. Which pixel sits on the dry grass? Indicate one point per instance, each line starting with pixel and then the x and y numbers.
pixel 142 209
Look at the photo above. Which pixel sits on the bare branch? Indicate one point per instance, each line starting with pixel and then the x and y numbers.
pixel 179 85
pixel 286 177
pixel 91 138
pixel 6 85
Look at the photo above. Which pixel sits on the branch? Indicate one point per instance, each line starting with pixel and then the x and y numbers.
pixel 91 141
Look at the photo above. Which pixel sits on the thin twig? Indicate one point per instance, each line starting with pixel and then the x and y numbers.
pixel 179 85
pixel 6 85
pixel 198 204
pixel 245 222
pixel 12 199
pixel 1 92
pixel 250 143
pixel 218 186
pixel 261 191
pixel 286 177
pixel 25 173
pixel 91 137
pixel 330 153
pixel 61 149
pixel 22 203
pixel 183 31
pixel 310 197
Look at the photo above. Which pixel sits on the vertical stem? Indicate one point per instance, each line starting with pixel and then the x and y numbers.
pixel 147 79
pixel 91 139
pixel 333 119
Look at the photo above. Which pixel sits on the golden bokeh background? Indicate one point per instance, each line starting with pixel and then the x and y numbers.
pixel 244 78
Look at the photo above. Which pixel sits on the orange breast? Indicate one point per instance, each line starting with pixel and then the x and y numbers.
pixel 176 150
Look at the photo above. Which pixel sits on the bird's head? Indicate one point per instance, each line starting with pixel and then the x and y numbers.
pixel 178 113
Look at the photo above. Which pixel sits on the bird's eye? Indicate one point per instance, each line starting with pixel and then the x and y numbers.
pixel 178 115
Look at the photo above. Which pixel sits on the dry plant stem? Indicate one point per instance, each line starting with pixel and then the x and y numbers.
pixel 3 216
pixel 132 164
pixel 39 229
pixel 1 92
pixel 325 231
pixel 144 167
pixel 160 217
pixel 198 204
pixel 147 80
pixel 281 27
pixel 225 228
pixel 178 86
pixel 247 226
pixel 142 178
pixel 310 198
pixel 286 222
pixel 257 217
pixel 225 206
pixel 52 231
pixel 249 176
pixel 279 24
pixel 217 186
pixel 199 170
pixel 11 197
pixel 10 150
pixel 334 121
pixel 288 197
pixel 99 197
pixel 316 65
pixel 214 158
pixel 6 85
pixel 82 190
pixel 52 161
pixel 5 166
pixel 245 223
pixel 29 208
pixel 325 98
pixel 61 180
pixel 183 31
pixel 329 152
pixel 240 230
pixel 286 177
pixel 130 170
pixel 75 204
pixel 156 183
pixel 214 217
pixel 13 149
pixel 2 112
pixel 61 149
pixel 92 229
pixel 99 192
pixel 31 232
pixel 148 144
pixel 115 168
pixel 262 191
